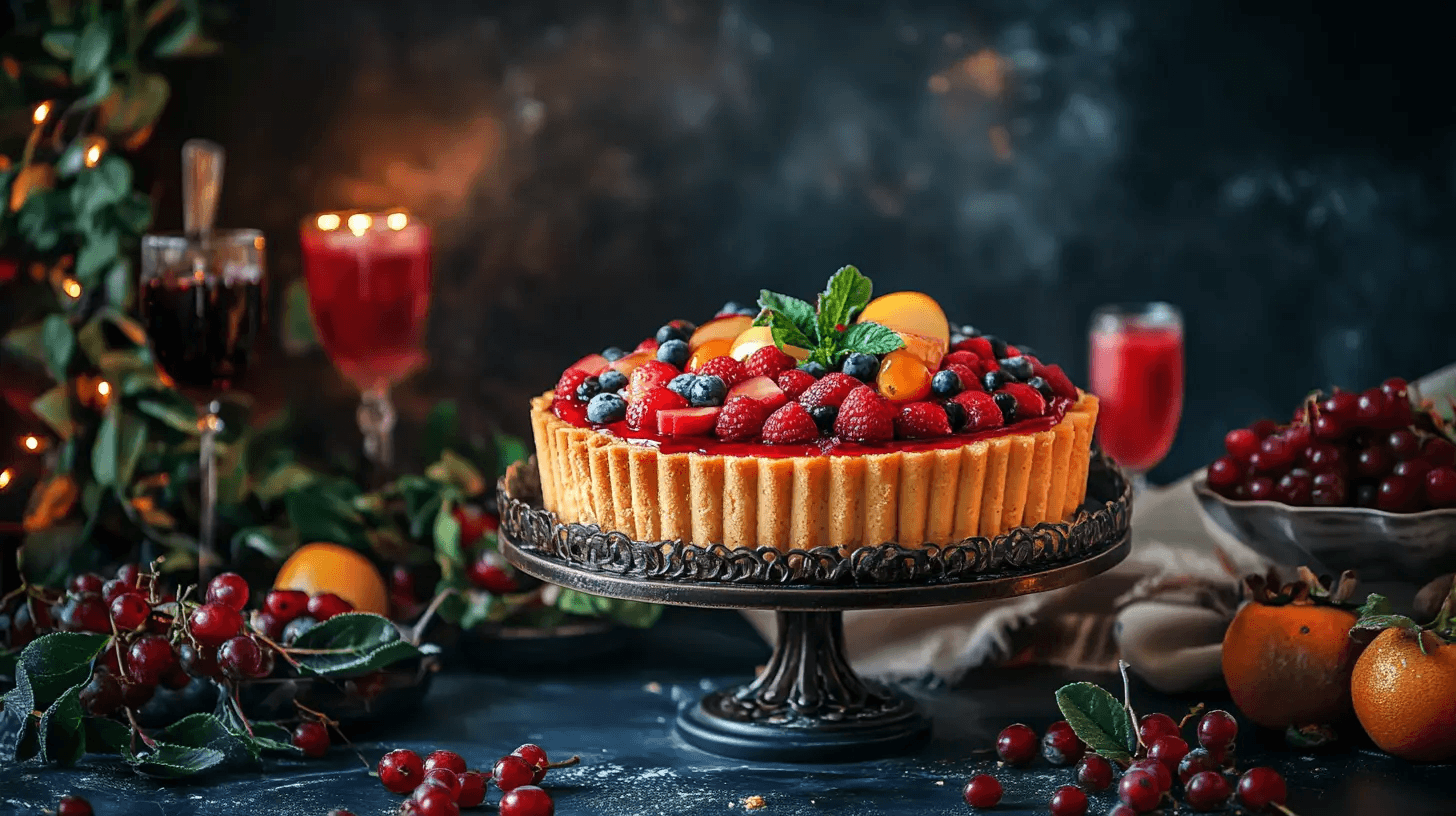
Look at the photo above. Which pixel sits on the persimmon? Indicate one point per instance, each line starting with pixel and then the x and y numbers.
pixel 1404 688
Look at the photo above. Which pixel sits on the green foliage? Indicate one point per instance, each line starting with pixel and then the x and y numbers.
pixel 351 644
pixel 828 331
pixel 1099 720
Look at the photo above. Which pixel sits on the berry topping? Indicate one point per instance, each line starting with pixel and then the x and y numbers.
pixel 649 345
pixel 588 388
pixel 946 384
pixel 729 370
pixel 956 414
pixel 979 346
pixel 769 361
pixel 626 365
pixel 707 391
pixel 1017 368
pixel 682 385
pixel 674 331
pixel 741 419
pixel 790 424
pixel 1029 401
pixel 999 349
pixel 903 377
pixel 687 421
pixel 1059 381
pixel 983 791
pixel 864 416
pixel 824 416
pixel 642 412
pixel 982 411
pixel 591 364
pixel 794 382
pixel 922 420
pixel 762 389
pixel 862 367
pixel 566 386
pixel 647 376
pixel 605 408
pixel 613 354
pixel 831 389
pixel 612 381
pixel 813 369
pixel 674 353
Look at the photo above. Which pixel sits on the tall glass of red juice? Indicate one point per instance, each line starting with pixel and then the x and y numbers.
pixel 369 281
pixel 1136 370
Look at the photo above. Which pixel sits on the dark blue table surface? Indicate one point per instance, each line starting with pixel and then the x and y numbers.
pixel 617 712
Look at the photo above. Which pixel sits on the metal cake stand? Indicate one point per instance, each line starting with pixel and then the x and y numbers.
pixel 808 705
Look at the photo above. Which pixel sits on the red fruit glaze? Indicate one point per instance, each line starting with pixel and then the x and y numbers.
pixel 865 416
pixel 790 424
pixel 1059 381
pixel 527 801
pixel 325 606
pixel 1068 801
pixel 983 791
pixel 642 412
pixel 687 421
pixel 1261 787
pixel 401 770
pixel 1016 744
pixel 741 419
pixel 286 604
pixel 921 420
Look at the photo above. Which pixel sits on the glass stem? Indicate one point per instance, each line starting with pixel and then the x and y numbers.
pixel 376 421
pixel 208 560
pixel 1139 483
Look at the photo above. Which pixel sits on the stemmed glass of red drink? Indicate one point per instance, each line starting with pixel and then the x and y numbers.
pixel 1136 370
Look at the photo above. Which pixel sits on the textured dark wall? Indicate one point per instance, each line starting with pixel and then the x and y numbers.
pixel 592 168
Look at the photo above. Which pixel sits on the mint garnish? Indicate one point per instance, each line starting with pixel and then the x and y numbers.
pixel 828 331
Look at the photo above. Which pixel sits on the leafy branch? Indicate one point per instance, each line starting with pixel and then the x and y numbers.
pixel 828 330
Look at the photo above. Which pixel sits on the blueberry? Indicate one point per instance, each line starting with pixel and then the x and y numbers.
pixel 862 367
pixel 824 416
pixel 605 408
pixel 998 346
pixel 1017 368
pixel 732 308
pixel 994 379
pixel 670 332
pixel 613 354
pixel 946 384
pixel 968 330
pixel 1040 384
pixel 813 369
pixel 682 384
pixel 1028 351
pixel 707 391
pixel 612 380
pixel 589 387
pixel 956 413
pixel 1007 403
pixel 674 352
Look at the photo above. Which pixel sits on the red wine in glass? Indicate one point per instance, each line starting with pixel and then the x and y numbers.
pixel 1136 371
pixel 202 332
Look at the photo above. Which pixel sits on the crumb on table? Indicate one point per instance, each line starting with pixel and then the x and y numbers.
pixel 754 803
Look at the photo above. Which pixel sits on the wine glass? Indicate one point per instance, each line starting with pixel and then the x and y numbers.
pixel 201 301
pixel 1136 371
pixel 369 280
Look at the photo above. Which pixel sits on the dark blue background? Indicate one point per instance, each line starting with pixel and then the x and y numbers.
pixel 1280 170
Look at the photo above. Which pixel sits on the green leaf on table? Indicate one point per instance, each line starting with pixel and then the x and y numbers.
pixel 62 737
pixel 869 338
pixel 446 535
pixel 50 665
pixel 60 344
pixel 106 735
pixel 1099 720
pixel 269 736
pixel 798 312
pixel 91 49
pixel 847 293
pixel 355 643
pixel 168 761
pixel 207 731
pixel 628 613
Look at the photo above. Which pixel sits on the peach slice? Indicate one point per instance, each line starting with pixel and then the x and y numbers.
pixel 721 328
pixel 756 338
pixel 717 347
pixel 592 364
pixel 630 362
pixel 687 421
pixel 928 350
pixel 760 388
pixel 910 312
pixel 902 377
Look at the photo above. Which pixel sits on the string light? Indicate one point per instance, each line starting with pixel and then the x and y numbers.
pixel 359 223
pixel 397 221
pixel 30 443
pixel 42 112
pixel 103 388
pixel 93 154
pixel 329 222
pixel 72 288
pixel 4 478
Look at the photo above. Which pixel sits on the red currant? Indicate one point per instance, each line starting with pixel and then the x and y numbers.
pixel 535 755
pixel 1060 745
pixel 491 574
pixel 86 614
pixel 401 770
pixel 1153 726
pixel 1120 809
pixel 1370 406
pixel 340 812
pixel 1069 800
pixel 527 801
pixel 445 759
pixel 1261 787
pixel 1207 790
pixel 1016 744
pixel 211 624
pixel 1217 730
pixel 199 661
pixel 1094 773
pixel 1373 462
pixel 1439 452
pixel 286 604
pixel 1159 771
pixel 1224 473
pixel 443 778
pixel 512 772
pixel 115 588
pixel 1195 762
pixel 1277 453
pixel 1260 488
pixel 88 582
pixel 1398 494
pixel 1403 444
pixel 1241 444
pixel 1139 791
pixel 130 574
pixel 1329 490
pixel 1395 387
pixel 433 800
pixel 312 738
pixel 268 626
pixel 241 658
pixel 102 695
pixel 1441 487
pixel 1328 427
pixel 1169 751
pixel 228 589
pixel 325 606
pixel 149 658
pixel 176 679
pixel 1294 488
pixel 983 791
pixel 472 789
pixel 1340 404
pixel 1264 427
pixel 73 806
pixel 129 612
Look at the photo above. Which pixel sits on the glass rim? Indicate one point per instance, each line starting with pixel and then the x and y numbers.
pixel 1147 313
pixel 243 235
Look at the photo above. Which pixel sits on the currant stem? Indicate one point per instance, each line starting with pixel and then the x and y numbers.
pixel 238 707
pixel 1122 667
pixel 137 731
pixel 279 649
pixel 1192 712
pixel 418 631
pixel 1282 809
pixel 565 763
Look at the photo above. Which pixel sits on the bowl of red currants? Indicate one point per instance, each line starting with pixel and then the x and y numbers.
pixel 1361 481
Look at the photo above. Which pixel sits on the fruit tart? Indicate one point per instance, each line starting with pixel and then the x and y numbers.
pixel 855 422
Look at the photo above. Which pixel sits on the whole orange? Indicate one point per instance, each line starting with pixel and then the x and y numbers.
pixel 323 567
pixel 1290 664
pixel 1406 698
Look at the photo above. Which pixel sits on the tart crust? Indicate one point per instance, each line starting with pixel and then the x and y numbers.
pixel 982 488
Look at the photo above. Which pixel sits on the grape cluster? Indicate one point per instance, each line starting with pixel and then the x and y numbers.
pixel 1372 449
pixel 1148 782
pixel 440 784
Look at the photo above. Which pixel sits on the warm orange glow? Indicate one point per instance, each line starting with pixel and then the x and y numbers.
pixel 329 222
pixel 4 478
pixel 93 155
pixel 103 388
pixel 359 223
pixel 987 71
pixel 72 288
pixel 1001 142
pixel 30 443
pixel 939 84
pixel 397 221
pixel 42 112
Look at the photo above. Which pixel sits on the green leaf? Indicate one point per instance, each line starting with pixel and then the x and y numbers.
pixel 369 643
pixel 207 731
pixel 60 344
pixel 54 406
pixel 870 338
pixel 170 413
pixel 447 541
pixel 62 737
pixel 320 512
pixel 134 213
pixel 799 312
pixel 43 217
pixel 508 451
pixel 91 50
pixel 117 282
pixel 1379 622
pixel 135 105
pixel 49 666
pixel 100 88
pixel 1099 720
pixel 469 607
pixel 27 341
pixel 847 293
pixel 1376 604
pixel 269 736
pixel 103 734
pixel 167 761
pixel 186 41
pixel 61 11
pixel 262 540
pixel 283 480
pixel 785 333
pixel 441 429
pixel 299 334
pixel 96 256
pixel 59 43
pixel 131 441
pixel 103 452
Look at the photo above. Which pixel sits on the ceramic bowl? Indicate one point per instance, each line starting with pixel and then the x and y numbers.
pixel 1398 547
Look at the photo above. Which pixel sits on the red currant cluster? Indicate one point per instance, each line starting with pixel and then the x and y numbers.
pixel 288 613
pixel 1367 450
pixel 440 785
pixel 1148 780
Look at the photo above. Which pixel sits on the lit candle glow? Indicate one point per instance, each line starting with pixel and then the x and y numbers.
pixel 328 222
pixel 397 221
pixel 72 288
pixel 42 112
pixel 30 443
pixel 359 223
pixel 4 478
pixel 103 388
pixel 93 155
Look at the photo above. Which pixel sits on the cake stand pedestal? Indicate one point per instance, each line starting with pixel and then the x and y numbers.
pixel 808 704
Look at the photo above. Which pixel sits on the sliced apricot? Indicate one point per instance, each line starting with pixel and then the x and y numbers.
pixel 756 338
pixel 910 312
pixel 629 363
pixel 722 328
pixel 928 350
pixel 717 347
pixel 902 377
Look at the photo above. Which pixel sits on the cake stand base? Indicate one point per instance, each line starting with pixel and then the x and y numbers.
pixel 807 705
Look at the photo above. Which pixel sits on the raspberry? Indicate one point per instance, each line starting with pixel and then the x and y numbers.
pixel 794 382
pixel 727 369
pixel 830 390
pixel 1059 381
pixel 982 413
pixel 979 346
pixel 864 416
pixel 741 419
pixel 966 359
pixel 642 413
pixel 791 423
pixel 566 386
pixel 768 361
pixel 922 420
pixel 648 376
pixel 970 375
pixel 1029 401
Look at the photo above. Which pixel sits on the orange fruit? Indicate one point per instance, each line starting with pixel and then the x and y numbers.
pixel 323 567
pixel 713 348
pixel 755 338
pixel 1406 698
pixel 720 328
pixel 1290 665
pixel 902 377
pixel 910 313
pixel 929 351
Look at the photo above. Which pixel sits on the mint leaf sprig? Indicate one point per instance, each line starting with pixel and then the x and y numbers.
pixel 828 330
